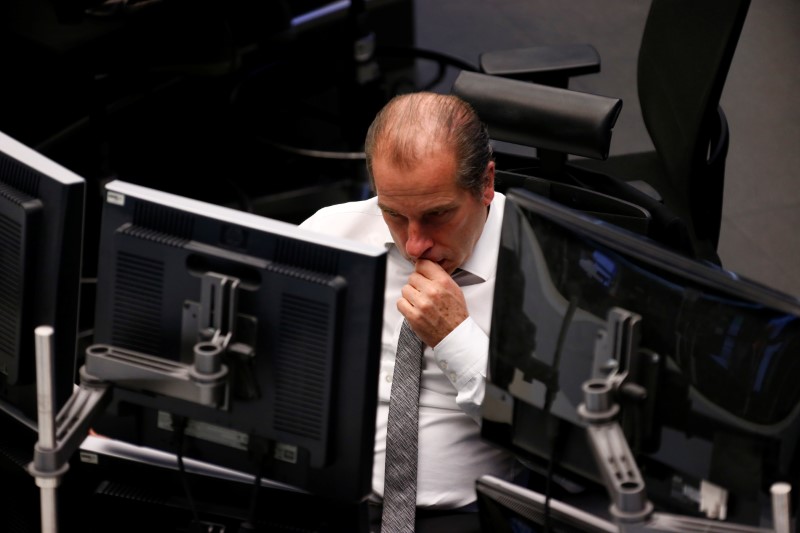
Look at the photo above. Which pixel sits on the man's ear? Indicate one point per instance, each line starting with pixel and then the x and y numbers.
pixel 488 191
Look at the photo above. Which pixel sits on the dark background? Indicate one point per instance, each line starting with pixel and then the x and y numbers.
pixel 194 96
pixel 761 210
pixel 228 102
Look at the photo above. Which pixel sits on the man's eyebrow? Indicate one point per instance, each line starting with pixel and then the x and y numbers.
pixel 429 211
pixel 440 208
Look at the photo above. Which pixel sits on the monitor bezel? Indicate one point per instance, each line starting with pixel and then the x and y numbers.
pixel 53 297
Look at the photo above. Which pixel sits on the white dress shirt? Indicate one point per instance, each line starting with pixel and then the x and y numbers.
pixel 451 453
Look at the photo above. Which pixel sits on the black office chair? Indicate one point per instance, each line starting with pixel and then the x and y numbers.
pixel 683 62
pixel 557 123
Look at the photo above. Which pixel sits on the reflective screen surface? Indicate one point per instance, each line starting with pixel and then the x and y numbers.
pixel 718 356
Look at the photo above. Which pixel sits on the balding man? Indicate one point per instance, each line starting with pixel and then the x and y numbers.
pixel 435 209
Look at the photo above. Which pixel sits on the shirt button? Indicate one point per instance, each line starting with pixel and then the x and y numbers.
pixel 453 376
pixel 443 365
pixel 388 378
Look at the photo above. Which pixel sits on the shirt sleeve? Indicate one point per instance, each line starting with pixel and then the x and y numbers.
pixel 463 357
pixel 315 222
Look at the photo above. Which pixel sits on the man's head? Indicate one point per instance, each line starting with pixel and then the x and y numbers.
pixel 431 166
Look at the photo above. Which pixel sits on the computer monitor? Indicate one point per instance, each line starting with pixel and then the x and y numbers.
pixel 238 341
pixel 41 236
pixel 706 363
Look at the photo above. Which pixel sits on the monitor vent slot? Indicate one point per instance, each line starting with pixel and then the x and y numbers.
pixel 301 365
pixel 154 235
pixel 14 195
pixel 306 255
pixel 163 219
pixel 136 314
pixel 303 274
pixel 116 489
pixel 10 285
pixel 19 176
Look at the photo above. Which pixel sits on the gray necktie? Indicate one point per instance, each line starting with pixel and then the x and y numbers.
pixel 400 488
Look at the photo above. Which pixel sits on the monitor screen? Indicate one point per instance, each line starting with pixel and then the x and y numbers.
pixel 237 340
pixel 41 236
pixel 707 362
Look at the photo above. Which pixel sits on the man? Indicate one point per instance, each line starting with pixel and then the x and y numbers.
pixel 431 167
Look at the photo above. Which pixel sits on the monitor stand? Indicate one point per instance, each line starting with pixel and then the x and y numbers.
pixel 631 509
pixel 59 436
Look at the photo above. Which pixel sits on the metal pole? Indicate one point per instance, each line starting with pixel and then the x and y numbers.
pixel 781 512
pixel 47 439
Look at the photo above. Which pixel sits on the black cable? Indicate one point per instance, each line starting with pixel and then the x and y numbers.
pixel 562 336
pixel 440 71
pixel 557 443
pixel 263 450
pixel 250 524
pixel 548 526
pixel 412 52
pixel 180 423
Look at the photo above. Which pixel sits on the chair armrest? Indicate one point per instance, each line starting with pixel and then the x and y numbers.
pixel 597 204
pixel 549 118
pixel 549 65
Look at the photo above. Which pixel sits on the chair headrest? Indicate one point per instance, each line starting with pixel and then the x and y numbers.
pixel 540 116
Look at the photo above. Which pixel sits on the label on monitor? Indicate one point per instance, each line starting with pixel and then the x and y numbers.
pixel 286 452
pixel 115 198
pixel 208 432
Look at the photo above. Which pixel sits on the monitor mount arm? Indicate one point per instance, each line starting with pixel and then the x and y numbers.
pixel 631 509
pixel 204 382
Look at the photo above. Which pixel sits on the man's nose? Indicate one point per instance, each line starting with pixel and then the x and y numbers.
pixel 418 242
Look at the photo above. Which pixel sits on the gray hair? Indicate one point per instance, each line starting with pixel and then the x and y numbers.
pixel 414 126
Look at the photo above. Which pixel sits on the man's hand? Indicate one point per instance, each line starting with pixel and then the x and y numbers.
pixel 432 302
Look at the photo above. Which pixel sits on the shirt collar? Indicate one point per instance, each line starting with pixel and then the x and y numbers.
pixel 482 262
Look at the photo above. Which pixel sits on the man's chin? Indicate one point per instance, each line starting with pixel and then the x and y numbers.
pixel 447 267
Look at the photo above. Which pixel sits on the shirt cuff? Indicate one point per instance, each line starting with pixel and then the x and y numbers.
pixel 463 354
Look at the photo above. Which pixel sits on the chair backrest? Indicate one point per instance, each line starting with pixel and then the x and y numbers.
pixel 557 122
pixel 684 57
